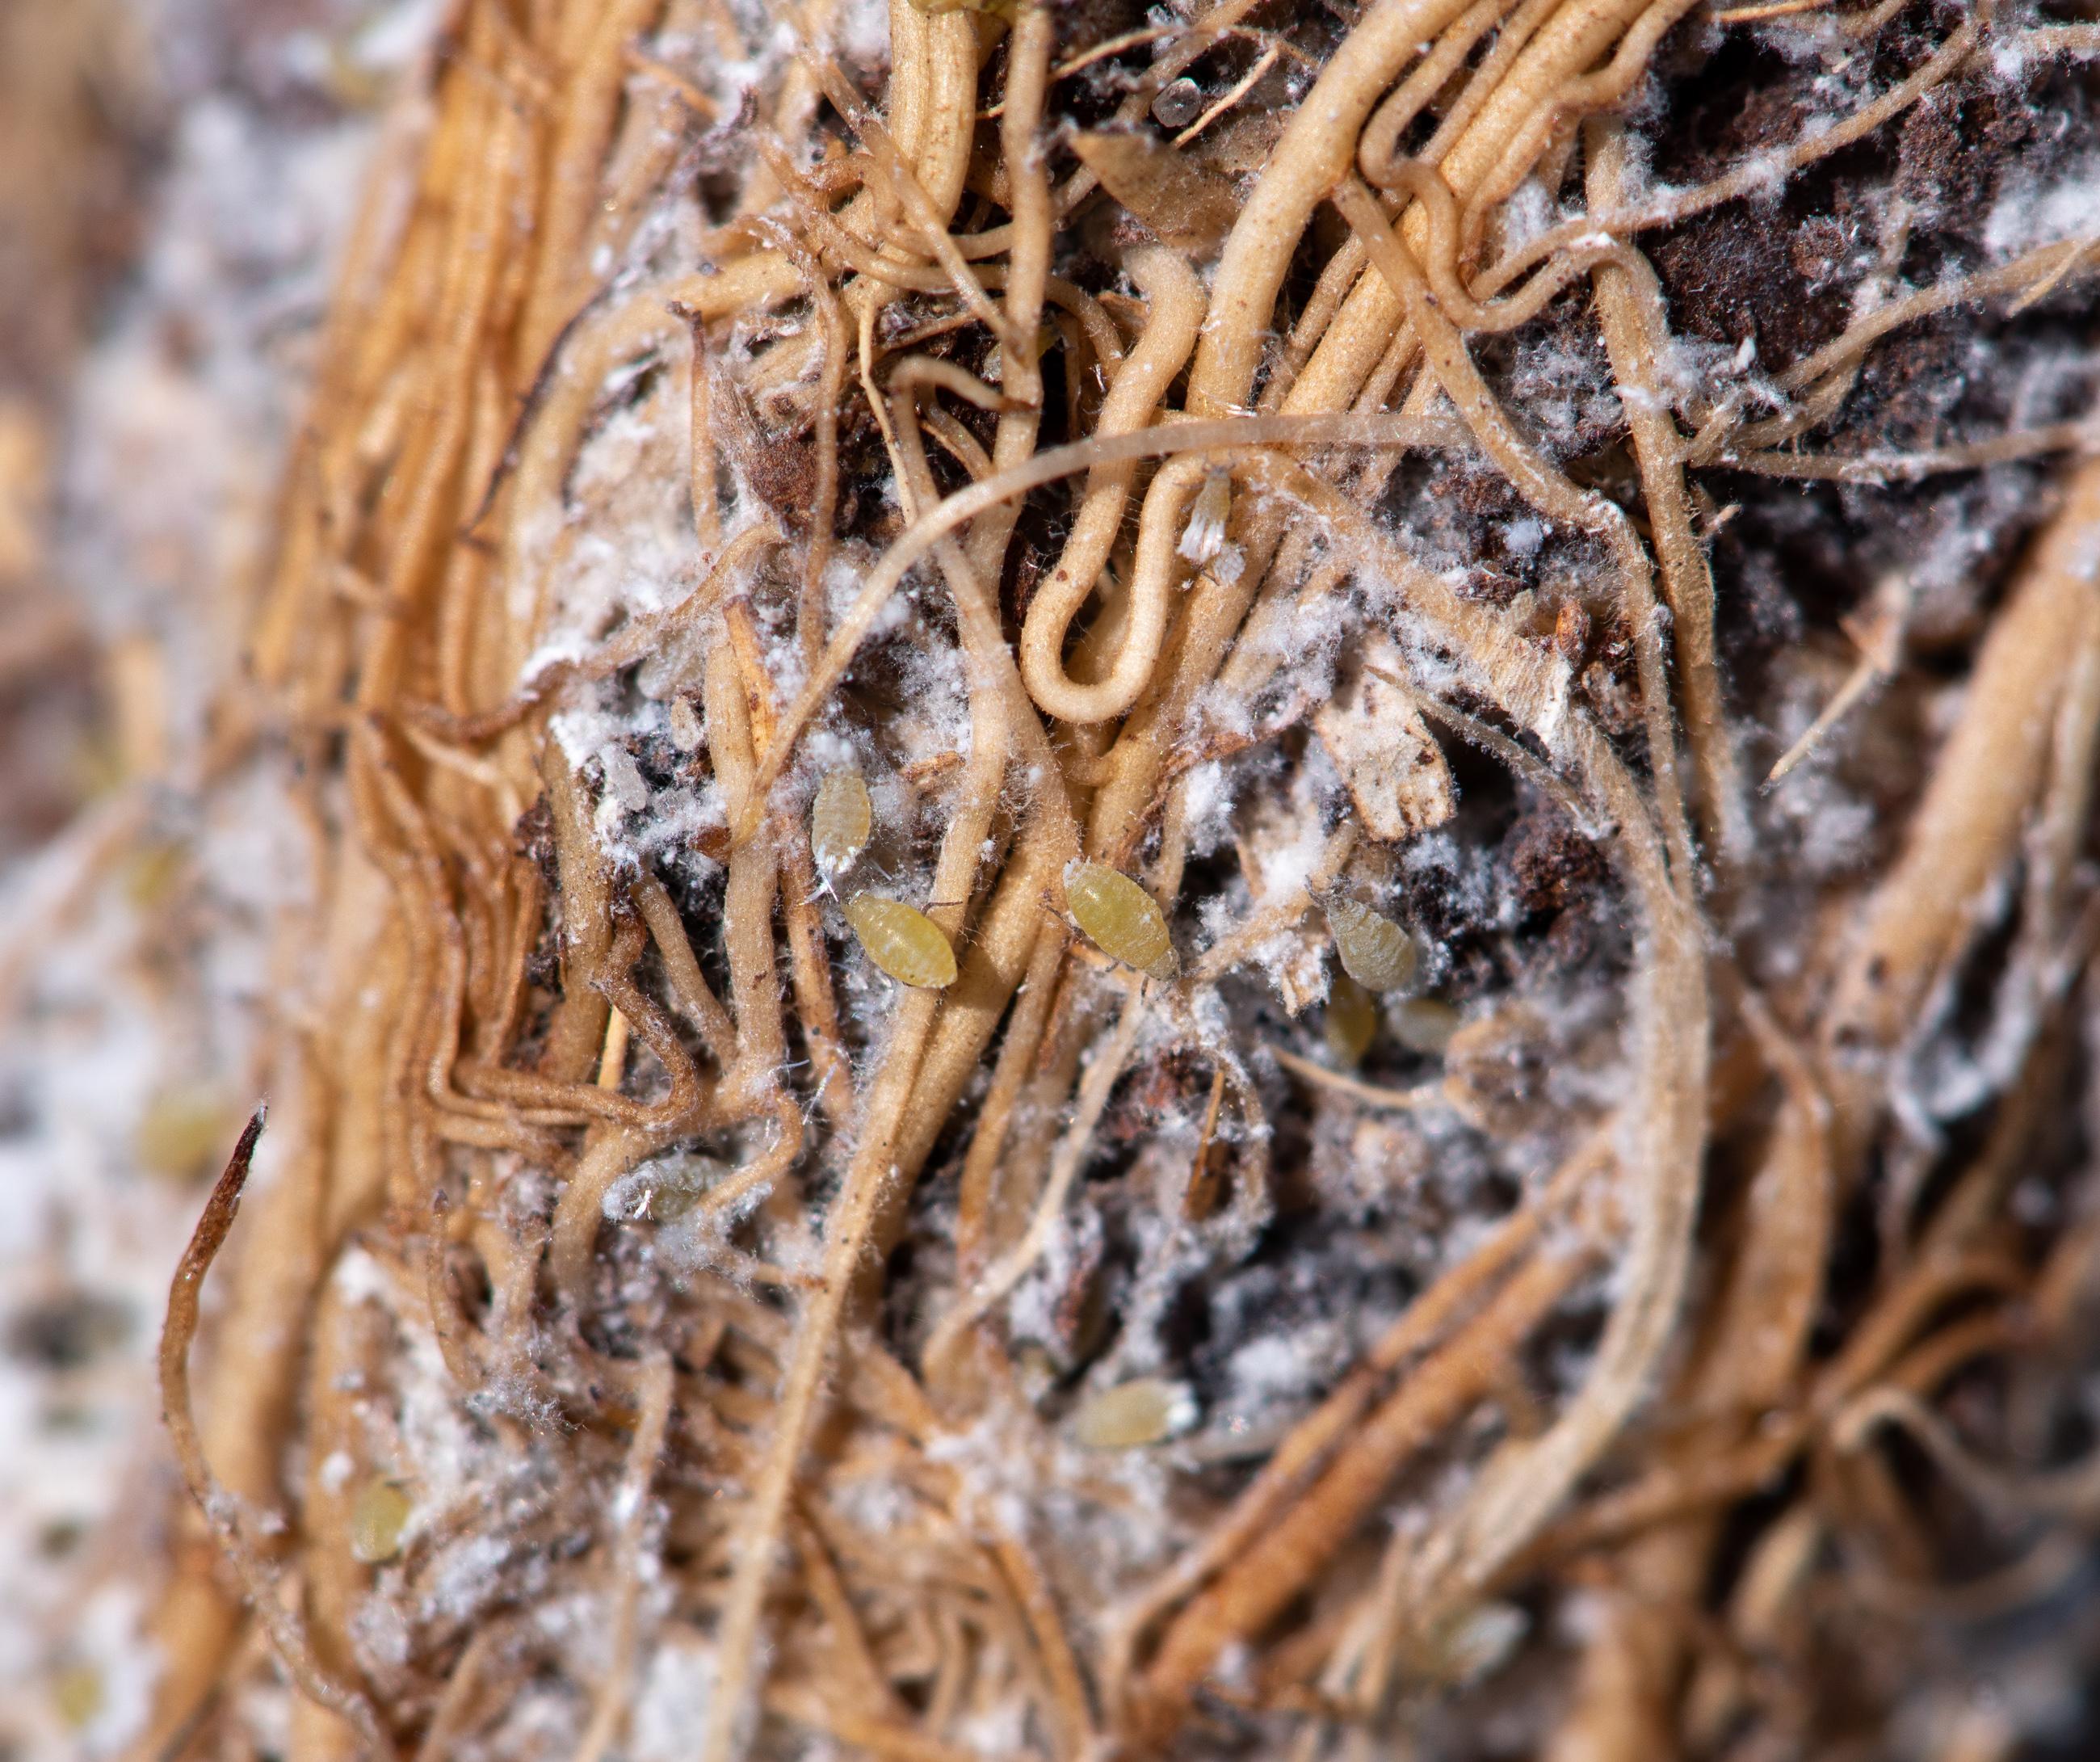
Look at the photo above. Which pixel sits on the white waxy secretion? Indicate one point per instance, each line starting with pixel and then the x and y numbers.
pixel 1204 536
pixel 840 818
pixel 1123 920
pixel 1378 954
pixel 902 940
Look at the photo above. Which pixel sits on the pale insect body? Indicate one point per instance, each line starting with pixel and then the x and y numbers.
pixel 902 940
pixel 1122 918
pixel 1351 1023
pixel 377 1518
pixel 1130 1415
pixel 840 819
pixel 1378 954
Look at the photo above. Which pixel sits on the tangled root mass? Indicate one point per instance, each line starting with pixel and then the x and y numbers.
pixel 1586 499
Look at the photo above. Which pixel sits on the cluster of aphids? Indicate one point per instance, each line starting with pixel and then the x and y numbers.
pixel 1116 914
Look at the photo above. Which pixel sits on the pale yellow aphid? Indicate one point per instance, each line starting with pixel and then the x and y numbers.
pixel 376 1519
pixel 1124 920
pixel 77 1693
pixel 1352 1020
pixel 840 820
pixel 1132 1415
pixel 902 940
pixel 1378 954
pixel 180 1131
pixel 1425 1024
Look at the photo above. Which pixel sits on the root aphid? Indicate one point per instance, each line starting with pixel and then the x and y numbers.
pixel 1350 1025
pixel 902 941
pixel 1147 1410
pixel 1122 920
pixel 1424 1024
pixel 378 1518
pixel 840 819
pixel 1378 954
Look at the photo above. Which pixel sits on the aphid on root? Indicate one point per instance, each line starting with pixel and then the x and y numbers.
pixel 1122 918
pixel 902 940
pixel 1378 954
pixel 1147 1410
pixel 1351 1021
pixel 840 819
pixel 377 1518
pixel 1424 1025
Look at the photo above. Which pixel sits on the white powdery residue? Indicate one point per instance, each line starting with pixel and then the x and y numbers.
pixel 578 1625
pixel 604 577
pixel 995 1472
pixel 1529 212
pixel 1765 173
pixel 676 818
pixel 2009 58
pixel 1206 807
pixel 1222 711
pixel 580 733
pixel 678 1688
pixel 390 40
pixel 826 749
pixel 1235 1666
pixel 847 573
pixel 1275 1367
pixel 933 719
pixel 623 778
pixel 1464 874
pixel 360 1278
pixel 861 28
pixel 1032 1309
pixel 1129 1529
pixel 464 1578
pixel 702 1242
pixel 2030 213
pixel 796 1248
pixel 632 550
pixel 998 1730
pixel 1213 1024
pixel 1218 915
pixel 1523 536
pixel 564 649
pixel 1289 845
pixel 381 1634
pixel 607 821
pixel 539 1722
pixel 875 1503
pixel 444 1454
pixel 631 822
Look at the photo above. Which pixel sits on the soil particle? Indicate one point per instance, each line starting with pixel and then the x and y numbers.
pixel 1549 865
